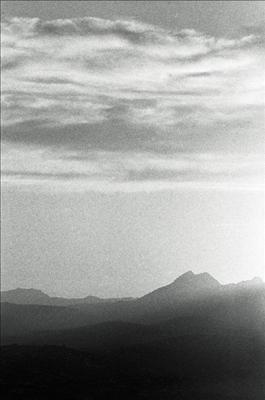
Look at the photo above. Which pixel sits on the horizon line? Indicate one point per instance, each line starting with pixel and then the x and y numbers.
pixel 132 297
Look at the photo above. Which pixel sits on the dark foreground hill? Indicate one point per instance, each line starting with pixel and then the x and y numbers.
pixel 191 367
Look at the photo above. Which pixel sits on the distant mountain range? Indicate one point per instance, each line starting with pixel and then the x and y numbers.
pixel 185 286
pixel 195 300
pixel 34 296
pixel 191 339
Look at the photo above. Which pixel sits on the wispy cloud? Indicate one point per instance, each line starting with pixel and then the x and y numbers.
pixel 129 101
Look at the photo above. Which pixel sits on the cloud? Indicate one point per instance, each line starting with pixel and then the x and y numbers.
pixel 86 86
pixel 91 170
pixel 146 186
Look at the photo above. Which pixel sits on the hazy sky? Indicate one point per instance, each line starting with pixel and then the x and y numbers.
pixel 132 145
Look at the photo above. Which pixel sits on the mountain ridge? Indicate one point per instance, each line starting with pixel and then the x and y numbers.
pixel 37 296
pixel 186 284
pixel 195 302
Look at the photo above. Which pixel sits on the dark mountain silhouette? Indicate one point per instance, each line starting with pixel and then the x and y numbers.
pixel 160 304
pixel 184 286
pixel 192 339
pixel 191 367
pixel 33 296
pixel 104 336
pixel 23 318
pixel 187 286
pixel 192 303
pixel 24 296
pixel 228 314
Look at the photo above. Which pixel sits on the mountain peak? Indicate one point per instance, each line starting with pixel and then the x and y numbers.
pixel 184 278
pixel 254 282
pixel 188 274
pixel 26 290
pixel 185 286
pixel 257 280
pixel 195 280
pixel 24 296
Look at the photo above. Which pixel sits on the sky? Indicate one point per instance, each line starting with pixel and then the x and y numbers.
pixel 132 144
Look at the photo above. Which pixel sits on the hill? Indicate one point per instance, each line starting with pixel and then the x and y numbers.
pixel 34 296
pixel 210 308
pixel 192 339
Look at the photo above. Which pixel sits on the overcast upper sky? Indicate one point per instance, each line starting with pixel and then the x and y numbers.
pixel 138 104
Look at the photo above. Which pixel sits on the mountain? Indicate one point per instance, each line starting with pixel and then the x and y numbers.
pixel 25 296
pixel 184 287
pixel 228 312
pixel 19 319
pixel 196 303
pixel 33 296
pixel 104 336
pixel 256 282
pixel 191 339
pixel 208 367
